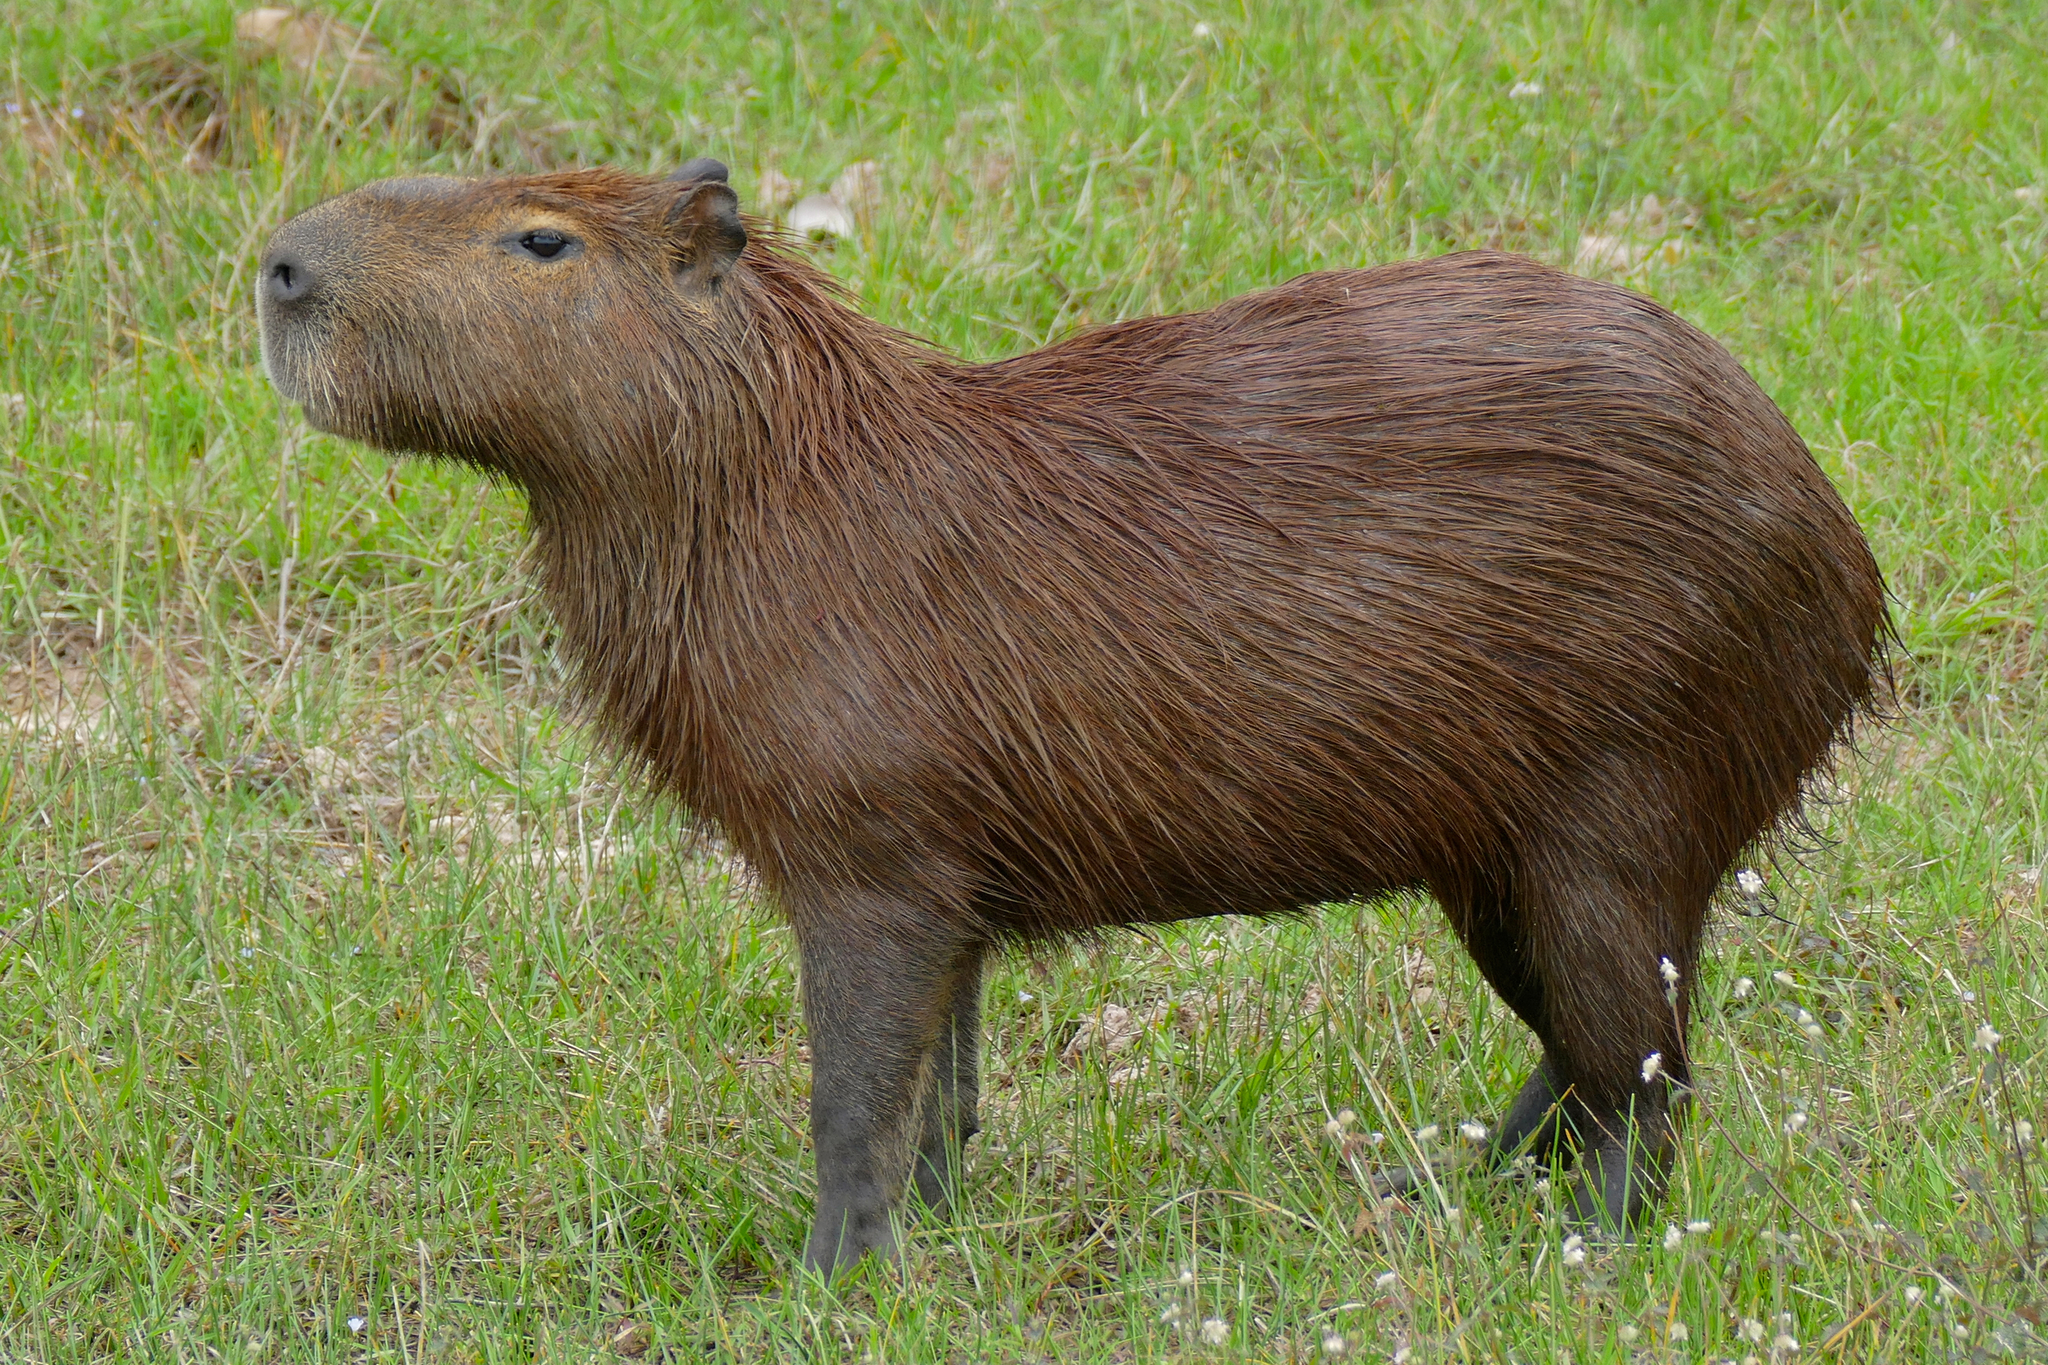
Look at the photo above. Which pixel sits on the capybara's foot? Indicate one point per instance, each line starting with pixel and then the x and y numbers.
pixel 1617 1185
pixel 841 1237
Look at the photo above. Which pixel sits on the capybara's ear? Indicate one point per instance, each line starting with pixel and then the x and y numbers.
pixel 700 168
pixel 704 223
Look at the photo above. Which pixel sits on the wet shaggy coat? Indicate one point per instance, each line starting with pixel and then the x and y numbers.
pixel 1457 574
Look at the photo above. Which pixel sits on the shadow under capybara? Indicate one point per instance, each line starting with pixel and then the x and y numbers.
pixel 1456 574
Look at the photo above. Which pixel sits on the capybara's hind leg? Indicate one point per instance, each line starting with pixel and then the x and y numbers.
pixel 949 1110
pixel 878 988
pixel 1487 923
pixel 1537 1122
pixel 1496 932
pixel 1624 1170
pixel 1615 947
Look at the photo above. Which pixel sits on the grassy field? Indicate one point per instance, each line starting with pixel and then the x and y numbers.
pixel 356 1010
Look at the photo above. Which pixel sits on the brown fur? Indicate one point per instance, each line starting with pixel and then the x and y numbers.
pixel 1458 574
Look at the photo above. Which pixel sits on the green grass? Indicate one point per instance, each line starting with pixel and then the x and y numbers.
pixel 345 983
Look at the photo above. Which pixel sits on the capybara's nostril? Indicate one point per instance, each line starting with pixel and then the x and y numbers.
pixel 286 277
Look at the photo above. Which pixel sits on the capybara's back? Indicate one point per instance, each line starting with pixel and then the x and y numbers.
pixel 1459 574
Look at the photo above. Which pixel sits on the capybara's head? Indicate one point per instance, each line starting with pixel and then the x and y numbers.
pixel 501 321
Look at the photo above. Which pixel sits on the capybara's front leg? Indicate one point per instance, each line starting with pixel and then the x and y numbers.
pixel 875 996
pixel 949 1112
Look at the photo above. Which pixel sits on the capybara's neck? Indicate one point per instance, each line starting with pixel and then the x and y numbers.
pixel 781 448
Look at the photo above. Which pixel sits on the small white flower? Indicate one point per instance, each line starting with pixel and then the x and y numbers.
pixel 1628 1334
pixel 1574 1250
pixel 1173 1314
pixel 1525 90
pixel 1743 987
pixel 1809 1026
pixel 1652 1066
pixel 1699 1225
pixel 1187 1276
pixel 1988 1038
pixel 248 953
pixel 1947 1290
pixel 1667 971
pixel 1385 1280
pixel 1672 1237
pixel 1785 978
pixel 1427 1133
pixel 1333 1342
pixel 1472 1131
pixel 2023 1134
pixel 1679 1332
pixel 357 1324
pixel 1375 1138
pixel 1403 1356
pixel 1454 1216
pixel 1543 1186
pixel 1749 883
pixel 1215 1331
pixel 1961 1330
pixel 1333 1130
pixel 1795 1120
pixel 1914 1293
pixel 1785 1342
pixel 1347 1117
pixel 1025 997
pixel 1203 30
pixel 1751 1330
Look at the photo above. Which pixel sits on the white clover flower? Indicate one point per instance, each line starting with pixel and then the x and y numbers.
pixel 1543 1185
pixel 1988 1038
pixel 1914 1293
pixel 1785 1342
pixel 1525 90
pixel 1628 1334
pixel 1347 1117
pixel 1215 1331
pixel 1427 1133
pixel 1333 1130
pixel 1751 1330
pixel 1795 1120
pixel 1375 1138
pixel 1679 1332
pixel 1785 978
pixel 1403 1356
pixel 1472 1130
pixel 1809 1026
pixel 1574 1250
pixel 1749 883
pixel 1385 1280
pixel 2023 1134
pixel 1025 997
pixel 1333 1342
pixel 1187 1276
pixel 1653 1066
pixel 1699 1225
pixel 358 1323
pixel 1203 30
pixel 1672 1237
pixel 1743 987
pixel 1667 971
pixel 1173 1314
pixel 1961 1330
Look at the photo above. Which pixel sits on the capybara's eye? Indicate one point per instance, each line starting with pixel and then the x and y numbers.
pixel 545 244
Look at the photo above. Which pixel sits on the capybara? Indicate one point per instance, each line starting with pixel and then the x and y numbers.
pixel 1457 574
